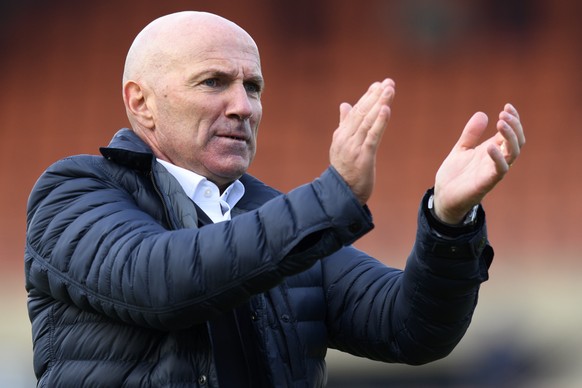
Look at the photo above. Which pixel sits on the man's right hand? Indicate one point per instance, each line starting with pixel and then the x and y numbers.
pixel 355 142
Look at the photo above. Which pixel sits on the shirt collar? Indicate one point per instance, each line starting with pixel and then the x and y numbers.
pixel 205 193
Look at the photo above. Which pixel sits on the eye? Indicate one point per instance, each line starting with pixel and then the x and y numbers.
pixel 252 87
pixel 211 82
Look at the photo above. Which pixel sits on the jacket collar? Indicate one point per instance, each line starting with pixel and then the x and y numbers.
pixel 126 148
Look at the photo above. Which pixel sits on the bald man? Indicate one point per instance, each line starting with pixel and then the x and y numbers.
pixel 163 263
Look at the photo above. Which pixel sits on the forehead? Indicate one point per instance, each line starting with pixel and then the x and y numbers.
pixel 227 52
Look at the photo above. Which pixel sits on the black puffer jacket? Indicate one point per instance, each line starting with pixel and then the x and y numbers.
pixel 122 281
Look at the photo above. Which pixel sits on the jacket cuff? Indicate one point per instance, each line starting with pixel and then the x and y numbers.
pixel 350 219
pixel 448 230
pixel 450 242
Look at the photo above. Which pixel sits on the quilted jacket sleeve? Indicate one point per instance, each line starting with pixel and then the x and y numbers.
pixel 413 316
pixel 89 244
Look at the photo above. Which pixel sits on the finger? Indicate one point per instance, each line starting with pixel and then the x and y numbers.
pixel 473 131
pixel 389 91
pixel 369 101
pixel 364 104
pixel 501 165
pixel 389 83
pixel 511 116
pixel 374 135
pixel 509 147
pixel 509 108
pixel 512 134
pixel 379 116
pixel 352 116
pixel 376 118
pixel 344 110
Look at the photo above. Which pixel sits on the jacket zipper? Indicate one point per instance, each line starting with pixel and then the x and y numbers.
pixel 173 226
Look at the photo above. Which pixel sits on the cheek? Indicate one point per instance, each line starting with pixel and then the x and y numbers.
pixel 180 141
pixel 258 111
pixel 253 145
pixel 255 122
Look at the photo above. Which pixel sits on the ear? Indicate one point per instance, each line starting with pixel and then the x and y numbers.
pixel 136 104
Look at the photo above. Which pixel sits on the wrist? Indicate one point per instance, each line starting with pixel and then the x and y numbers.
pixel 470 224
pixel 468 219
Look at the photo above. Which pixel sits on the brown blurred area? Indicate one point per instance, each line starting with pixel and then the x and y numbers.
pixel 60 79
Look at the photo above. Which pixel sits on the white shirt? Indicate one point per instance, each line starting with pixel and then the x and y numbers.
pixel 206 194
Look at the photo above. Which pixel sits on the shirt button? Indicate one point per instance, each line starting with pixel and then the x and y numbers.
pixel 207 193
pixel 202 380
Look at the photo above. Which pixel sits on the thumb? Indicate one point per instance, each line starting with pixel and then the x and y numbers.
pixel 344 109
pixel 473 131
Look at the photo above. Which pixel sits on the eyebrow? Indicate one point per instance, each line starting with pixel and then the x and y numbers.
pixel 221 73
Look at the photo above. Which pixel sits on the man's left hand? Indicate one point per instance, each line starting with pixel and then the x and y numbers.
pixel 472 169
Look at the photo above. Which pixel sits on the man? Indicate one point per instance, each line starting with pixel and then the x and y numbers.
pixel 163 263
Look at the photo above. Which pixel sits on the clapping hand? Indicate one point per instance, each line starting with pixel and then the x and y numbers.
pixel 472 169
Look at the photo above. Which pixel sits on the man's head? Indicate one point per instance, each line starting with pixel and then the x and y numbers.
pixel 191 86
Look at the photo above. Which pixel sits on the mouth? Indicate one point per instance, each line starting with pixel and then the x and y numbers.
pixel 234 137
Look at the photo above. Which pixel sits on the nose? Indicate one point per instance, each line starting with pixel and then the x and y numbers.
pixel 239 104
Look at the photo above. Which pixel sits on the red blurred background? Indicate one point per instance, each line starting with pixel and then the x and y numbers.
pixel 60 78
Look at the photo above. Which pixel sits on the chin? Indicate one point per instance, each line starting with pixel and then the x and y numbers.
pixel 231 174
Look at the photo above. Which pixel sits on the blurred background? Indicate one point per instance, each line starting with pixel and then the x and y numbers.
pixel 60 94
